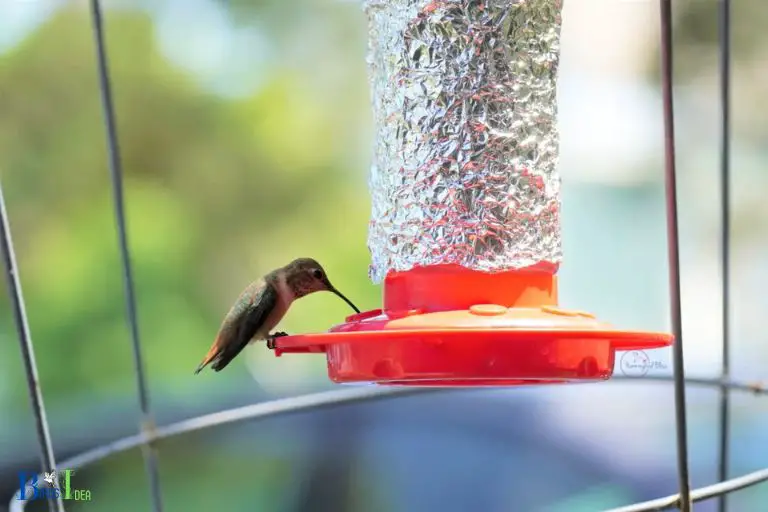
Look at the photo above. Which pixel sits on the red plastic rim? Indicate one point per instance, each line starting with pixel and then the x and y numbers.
pixel 448 326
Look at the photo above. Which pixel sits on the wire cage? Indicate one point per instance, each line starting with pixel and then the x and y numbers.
pixel 149 433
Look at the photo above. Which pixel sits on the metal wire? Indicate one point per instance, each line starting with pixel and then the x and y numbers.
pixel 249 412
pixel 347 396
pixel 113 149
pixel 701 494
pixel 673 247
pixel 47 460
pixel 724 20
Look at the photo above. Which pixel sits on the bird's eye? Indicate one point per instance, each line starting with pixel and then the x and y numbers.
pixel 317 274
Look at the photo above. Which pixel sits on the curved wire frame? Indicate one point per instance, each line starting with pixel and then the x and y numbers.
pixel 335 398
pixel 149 434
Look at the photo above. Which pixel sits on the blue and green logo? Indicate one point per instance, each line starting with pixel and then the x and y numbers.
pixel 33 489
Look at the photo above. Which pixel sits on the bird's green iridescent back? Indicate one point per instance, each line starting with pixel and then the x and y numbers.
pixel 242 305
pixel 243 321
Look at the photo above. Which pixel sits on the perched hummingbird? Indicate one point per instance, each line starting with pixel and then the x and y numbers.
pixel 261 307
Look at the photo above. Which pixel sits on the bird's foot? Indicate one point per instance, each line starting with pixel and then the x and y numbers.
pixel 272 337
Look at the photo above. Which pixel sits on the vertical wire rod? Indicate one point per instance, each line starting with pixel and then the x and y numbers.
pixel 724 21
pixel 673 246
pixel 147 424
pixel 27 351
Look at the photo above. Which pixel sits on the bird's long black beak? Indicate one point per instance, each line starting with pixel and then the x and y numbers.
pixel 337 292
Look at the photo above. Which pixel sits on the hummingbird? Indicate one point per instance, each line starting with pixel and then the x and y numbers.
pixel 262 305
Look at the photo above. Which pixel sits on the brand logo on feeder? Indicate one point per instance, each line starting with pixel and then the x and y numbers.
pixel 636 363
pixel 49 487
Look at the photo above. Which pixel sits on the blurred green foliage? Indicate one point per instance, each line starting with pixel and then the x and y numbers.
pixel 697 57
pixel 218 191
pixel 696 35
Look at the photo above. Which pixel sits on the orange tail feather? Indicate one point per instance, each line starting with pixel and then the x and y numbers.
pixel 213 352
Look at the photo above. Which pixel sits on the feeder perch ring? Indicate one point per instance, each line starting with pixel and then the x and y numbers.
pixel 449 326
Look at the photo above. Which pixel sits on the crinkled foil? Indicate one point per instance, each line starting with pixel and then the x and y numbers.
pixel 466 143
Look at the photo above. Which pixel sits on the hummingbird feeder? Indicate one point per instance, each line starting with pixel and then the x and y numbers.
pixel 465 227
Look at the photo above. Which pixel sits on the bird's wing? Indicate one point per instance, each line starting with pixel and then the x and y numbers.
pixel 241 324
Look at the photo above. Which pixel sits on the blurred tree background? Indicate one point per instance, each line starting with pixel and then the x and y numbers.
pixel 225 180
pixel 218 191
pixel 245 137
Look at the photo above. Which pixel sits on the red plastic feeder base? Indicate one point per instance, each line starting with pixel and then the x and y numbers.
pixel 449 326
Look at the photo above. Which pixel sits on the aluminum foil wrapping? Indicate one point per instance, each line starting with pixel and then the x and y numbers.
pixel 466 141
